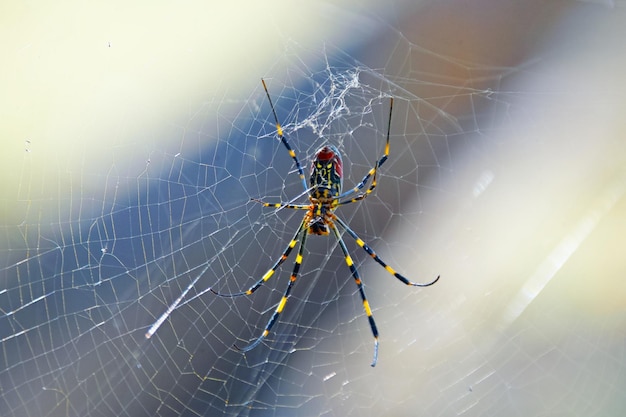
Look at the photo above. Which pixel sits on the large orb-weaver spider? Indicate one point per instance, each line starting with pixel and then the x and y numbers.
pixel 325 195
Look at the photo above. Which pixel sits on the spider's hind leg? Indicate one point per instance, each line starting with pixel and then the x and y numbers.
pixel 283 300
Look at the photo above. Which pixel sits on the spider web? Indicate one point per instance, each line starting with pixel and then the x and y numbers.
pixel 504 176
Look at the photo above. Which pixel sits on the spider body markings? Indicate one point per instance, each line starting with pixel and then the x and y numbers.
pixel 325 195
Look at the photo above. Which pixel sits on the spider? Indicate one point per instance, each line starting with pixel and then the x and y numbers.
pixel 325 195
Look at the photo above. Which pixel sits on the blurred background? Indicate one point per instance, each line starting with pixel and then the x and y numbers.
pixel 133 137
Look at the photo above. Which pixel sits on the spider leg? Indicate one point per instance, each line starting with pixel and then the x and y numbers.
pixel 282 205
pixel 271 271
pixel 372 172
pixel 364 194
pixel 279 130
pixel 283 301
pixel 369 250
pixel 359 284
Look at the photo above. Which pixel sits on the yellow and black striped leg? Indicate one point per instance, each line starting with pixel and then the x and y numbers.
pixel 283 301
pixel 279 130
pixel 369 250
pixel 282 205
pixel 364 194
pixel 371 173
pixel 359 284
pixel 271 271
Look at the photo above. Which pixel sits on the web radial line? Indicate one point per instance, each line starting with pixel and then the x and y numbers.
pixel 279 130
pixel 359 284
pixel 271 271
pixel 382 263
pixel 153 329
pixel 372 172
pixel 283 300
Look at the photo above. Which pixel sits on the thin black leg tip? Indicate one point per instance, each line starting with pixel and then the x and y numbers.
pixel 432 282
pixel 375 360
